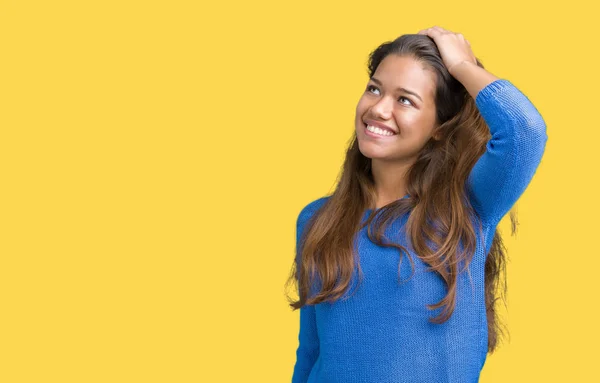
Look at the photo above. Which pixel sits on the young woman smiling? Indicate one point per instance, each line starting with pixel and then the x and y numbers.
pixel 442 150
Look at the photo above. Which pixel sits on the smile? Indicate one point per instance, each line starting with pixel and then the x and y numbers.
pixel 374 131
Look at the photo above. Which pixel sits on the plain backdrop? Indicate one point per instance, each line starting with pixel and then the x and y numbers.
pixel 154 156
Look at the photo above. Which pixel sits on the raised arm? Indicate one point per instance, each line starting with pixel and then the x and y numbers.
pixel 513 153
pixel 519 137
pixel 308 338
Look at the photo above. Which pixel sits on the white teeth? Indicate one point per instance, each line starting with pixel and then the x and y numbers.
pixel 380 131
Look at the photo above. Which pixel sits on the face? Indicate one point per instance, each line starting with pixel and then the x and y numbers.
pixel 408 112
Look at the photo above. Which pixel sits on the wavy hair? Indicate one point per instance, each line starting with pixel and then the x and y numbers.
pixel 440 210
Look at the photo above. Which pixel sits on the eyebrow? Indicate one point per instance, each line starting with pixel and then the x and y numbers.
pixel 400 88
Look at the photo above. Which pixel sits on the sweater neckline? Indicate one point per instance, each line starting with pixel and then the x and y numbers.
pixel 405 196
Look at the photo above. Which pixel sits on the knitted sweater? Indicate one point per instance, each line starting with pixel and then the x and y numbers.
pixel 381 333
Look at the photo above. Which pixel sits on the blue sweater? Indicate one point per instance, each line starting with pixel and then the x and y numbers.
pixel 381 334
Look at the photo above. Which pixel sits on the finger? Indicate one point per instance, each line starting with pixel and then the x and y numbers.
pixel 440 29
pixel 433 31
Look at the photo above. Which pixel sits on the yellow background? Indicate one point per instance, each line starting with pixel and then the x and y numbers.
pixel 155 155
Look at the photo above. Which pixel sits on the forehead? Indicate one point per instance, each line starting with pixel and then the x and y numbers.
pixel 402 71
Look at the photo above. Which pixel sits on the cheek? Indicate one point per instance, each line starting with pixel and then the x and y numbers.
pixel 407 122
pixel 412 123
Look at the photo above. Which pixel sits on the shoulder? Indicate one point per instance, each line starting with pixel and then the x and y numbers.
pixel 309 209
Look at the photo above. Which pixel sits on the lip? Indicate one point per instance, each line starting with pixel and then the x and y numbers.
pixel 378 136
pixel 379 125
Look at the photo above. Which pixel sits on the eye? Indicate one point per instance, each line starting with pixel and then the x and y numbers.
pixel 369 87
pixel 402 97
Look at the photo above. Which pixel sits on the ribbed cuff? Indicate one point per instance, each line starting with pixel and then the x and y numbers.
pixel 492 89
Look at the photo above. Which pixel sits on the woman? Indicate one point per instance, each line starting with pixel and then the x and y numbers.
pixel 442 151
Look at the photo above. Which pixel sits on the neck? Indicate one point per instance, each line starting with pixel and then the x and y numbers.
pixel 390 180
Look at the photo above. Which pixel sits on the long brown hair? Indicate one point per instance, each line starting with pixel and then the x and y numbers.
pixel 440 210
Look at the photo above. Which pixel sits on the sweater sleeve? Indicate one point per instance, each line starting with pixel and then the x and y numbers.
pixel 308 349
pixel 308 339
pixel 503 172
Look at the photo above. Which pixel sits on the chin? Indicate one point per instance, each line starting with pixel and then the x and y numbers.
pixel 370 149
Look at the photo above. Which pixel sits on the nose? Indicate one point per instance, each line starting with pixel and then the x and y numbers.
pixel 383 108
